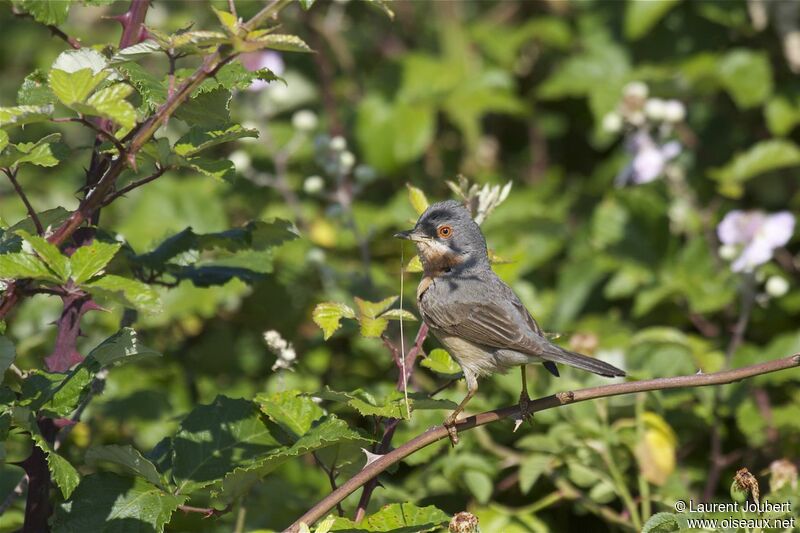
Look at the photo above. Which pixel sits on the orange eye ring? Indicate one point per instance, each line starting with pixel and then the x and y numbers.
pixel 445 231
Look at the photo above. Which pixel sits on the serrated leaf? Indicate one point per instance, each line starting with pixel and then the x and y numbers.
pixel 35 90
pixel 214 439
pixel 7 355
pixel 762 157
pixel 395 517
pixel 62 472
pixel 136 51
pixel 207 108
pixel 228 20
pixel 152 90
pixel 417 198
pixel 75 60
pixel 662 523
pixel 50 254
pixel 24 114
pixel 397 314
pixel 122 346
pixel 128 504
pixel 74 87
pixel 372 324
pixel 24 265
pixel 198 139
pixel 279 41
pixel 439 361
pixel 110 103
pixel 290 410
pixel 55 393
pixel 392 406
pixel 220 169
pixel 130 292
pixel 128 458
pixel 414 265
pixel 51 12
pixel 88 261
pixel 46 152
pixel 328 316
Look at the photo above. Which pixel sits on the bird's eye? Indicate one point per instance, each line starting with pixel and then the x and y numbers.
pixel 445 232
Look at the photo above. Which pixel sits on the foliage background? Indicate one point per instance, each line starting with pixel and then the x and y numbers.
pixel 497 91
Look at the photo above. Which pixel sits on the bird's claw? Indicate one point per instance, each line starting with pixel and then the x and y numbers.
pixel 525 410
pixel 452 432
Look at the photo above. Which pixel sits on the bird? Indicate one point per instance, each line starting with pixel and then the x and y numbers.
pixel 474 314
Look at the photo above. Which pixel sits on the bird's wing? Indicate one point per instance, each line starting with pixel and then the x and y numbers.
pixel 500 324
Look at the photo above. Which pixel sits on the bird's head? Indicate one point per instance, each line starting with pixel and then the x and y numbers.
pixel 447 238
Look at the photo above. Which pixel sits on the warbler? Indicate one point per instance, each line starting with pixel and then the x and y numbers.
pixel 473 313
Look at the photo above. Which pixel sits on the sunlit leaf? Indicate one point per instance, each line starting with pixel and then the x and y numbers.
pixel 123 346
pixel 90 260
pixel 127 457
pixel 328 316
pixel 128 291
pixel 50 254
pixel 24 114
pixel 395 517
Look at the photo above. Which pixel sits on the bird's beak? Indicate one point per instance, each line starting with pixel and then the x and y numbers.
pixel 410 235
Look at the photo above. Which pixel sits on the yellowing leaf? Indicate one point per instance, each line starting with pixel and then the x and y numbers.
pixel 417 198
pixel 655 451
pixel 328 316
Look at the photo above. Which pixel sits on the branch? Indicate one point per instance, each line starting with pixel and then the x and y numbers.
pixel 12 176
pixel 129 187
pixel 207 512
pixel 99 129
pixel 548 402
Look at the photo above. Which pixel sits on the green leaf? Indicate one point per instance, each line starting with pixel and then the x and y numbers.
pixel 127 504
pixel 152 90
pixel 55 393
pixel 392 406
pixel 397 314
pixel 764 156
pixel 228 20
pixel 479 484
pixel 383 6
pixel 642 15
pixel 662 523
pixel 373 325
pixel 439 361
pixel 201 138
pixel 278 41
pixel 290 410
pixel 130 292
pixel 307 4
pixel 417 198
pixel 89 261
pixel 24 114
pixel 50 254
pixel 121 346
pixel 531 468
pixel 74 87
pixel 747 76
pixel 328 316
pixel 136 51
pixel 46 152
pixel 7 355
pixel 206 109
pixel 75 60
pixel 395 517
pixel 51 12
pixel 219 169
pixel 129 458
pixel 24 265
pixel 35 90
pixel 3 140
pixel 214 439
pixel 110 103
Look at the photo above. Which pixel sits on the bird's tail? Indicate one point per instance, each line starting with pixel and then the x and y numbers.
pixel 558 354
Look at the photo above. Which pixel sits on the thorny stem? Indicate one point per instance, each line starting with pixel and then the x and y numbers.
pixel 12 177
pixel 98 128
pixel 128 188
pixel 548 402
pixel 391 425
pixel 207 512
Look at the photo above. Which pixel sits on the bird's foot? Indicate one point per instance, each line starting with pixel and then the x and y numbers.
pixel 450 425
pixel 525 410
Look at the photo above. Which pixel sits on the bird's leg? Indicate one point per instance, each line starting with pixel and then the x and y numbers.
pixel 450 421
pixel 524 400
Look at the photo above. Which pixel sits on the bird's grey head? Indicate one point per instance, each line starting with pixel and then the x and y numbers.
pixel 448 239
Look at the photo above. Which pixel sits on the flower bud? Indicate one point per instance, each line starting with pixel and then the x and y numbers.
pixel 636 90
pixel 464 522
pixel 305 120
pixel 654 108
pixel 674 111
pixel 744 486
pixel 612 122
pixel 338 143
pixel 313 184
pixel 777 286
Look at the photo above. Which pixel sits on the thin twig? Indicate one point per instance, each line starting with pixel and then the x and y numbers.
pixel 207 512
pixel 102 132
pixel 73 42
pixel 12 177
pixel 129 187
pixel 548 402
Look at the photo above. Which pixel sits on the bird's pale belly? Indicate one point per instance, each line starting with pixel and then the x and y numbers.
pixel 479 360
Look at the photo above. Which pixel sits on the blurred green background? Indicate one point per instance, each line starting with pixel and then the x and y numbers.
pixel 628 131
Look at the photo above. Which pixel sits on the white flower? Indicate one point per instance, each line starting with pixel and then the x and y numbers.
pixel 305 120
pixel 649 159
pixel 338 143
pixel 674 111
pixel 241 160
pixel 636 90
pixel 612 122
pixel 265 59
pixel 655 108
pixel 756 235
pixel 282 348
pixel 313 184
pixel 347 160
pixel 777 286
